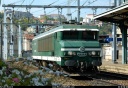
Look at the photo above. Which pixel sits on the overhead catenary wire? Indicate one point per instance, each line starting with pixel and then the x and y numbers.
pixel 50 4
pixel 21 3
pixel 84 4
pixel 89 3
pixel 27 9
pixel 53 2
pixel 16 2
pixel 73 1
pixel 31 2
pixel 59 4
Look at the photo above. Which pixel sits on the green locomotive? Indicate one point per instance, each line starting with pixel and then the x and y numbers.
pixel 68 45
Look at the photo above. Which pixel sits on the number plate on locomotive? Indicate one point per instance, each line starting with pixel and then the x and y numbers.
pixel 81 54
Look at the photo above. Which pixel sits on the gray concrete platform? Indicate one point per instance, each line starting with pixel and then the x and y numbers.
pixel 109 66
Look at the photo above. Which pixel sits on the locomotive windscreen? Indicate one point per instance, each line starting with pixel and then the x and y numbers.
pixel 71 35
pixel 89 35
pixel 79 35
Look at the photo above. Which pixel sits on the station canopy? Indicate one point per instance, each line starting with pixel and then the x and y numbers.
pixel 116 15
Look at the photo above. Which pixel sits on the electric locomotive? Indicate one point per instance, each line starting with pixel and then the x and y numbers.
pixel 68 45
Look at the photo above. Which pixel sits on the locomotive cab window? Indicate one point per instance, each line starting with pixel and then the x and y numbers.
pixel 67 35
pixel 89 35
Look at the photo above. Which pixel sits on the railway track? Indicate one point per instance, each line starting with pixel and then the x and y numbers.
pixel 113 76
pixel 100 79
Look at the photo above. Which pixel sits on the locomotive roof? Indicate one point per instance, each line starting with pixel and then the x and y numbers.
pixel 77 26
pixel 66 28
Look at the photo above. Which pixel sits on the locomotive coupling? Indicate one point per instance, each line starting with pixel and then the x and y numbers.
pixel 82 65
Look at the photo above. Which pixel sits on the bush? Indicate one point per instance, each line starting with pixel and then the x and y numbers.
pixel 18 77
pixel 2 63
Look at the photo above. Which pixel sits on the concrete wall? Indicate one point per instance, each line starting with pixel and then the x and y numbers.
pixel 107 52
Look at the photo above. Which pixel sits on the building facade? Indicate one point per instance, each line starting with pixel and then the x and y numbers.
pixel 28 35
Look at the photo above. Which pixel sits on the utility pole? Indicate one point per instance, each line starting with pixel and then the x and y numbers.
pixel 115 3
pixel 11 38
pixel 19 41
pixel 1 40
pixel 5 37
pixel 119 2
pixel 59 13
pixel 69 11
pixel 114 35
pixel 78 11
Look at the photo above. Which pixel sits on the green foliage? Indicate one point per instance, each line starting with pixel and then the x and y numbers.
pixel 1 16
pixel 24 22
pixel 105 29
pixel 81 18
pixel 2 63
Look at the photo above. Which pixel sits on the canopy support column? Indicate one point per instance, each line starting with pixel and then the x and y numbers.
pixel 123 29
pixel 114 53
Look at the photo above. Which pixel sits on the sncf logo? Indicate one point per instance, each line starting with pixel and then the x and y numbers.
pixel 82 49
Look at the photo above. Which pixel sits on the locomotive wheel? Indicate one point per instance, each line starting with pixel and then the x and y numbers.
pixel 92 69
pixel 39 63
pixel 44 63
pixel 54 67
pixel 68 69
pixel 73 69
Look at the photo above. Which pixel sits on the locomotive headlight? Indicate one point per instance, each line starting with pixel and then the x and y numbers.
pixel 93 53
pixel 70 53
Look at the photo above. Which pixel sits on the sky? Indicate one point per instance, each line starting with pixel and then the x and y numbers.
pixel 40 11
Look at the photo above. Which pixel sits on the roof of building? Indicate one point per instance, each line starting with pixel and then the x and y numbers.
pixel 29 36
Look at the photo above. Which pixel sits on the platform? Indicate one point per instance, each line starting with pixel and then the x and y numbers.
pixel 109 66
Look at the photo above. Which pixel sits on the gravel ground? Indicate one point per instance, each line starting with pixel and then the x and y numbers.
pixel 120 82
pixel 66 81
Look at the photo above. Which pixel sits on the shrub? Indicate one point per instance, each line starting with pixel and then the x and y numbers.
pixel 2 63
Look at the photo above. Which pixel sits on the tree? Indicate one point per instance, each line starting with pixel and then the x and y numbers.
pixel 1 15
pixel 105 29
pixel 81 18
pixel 24 22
